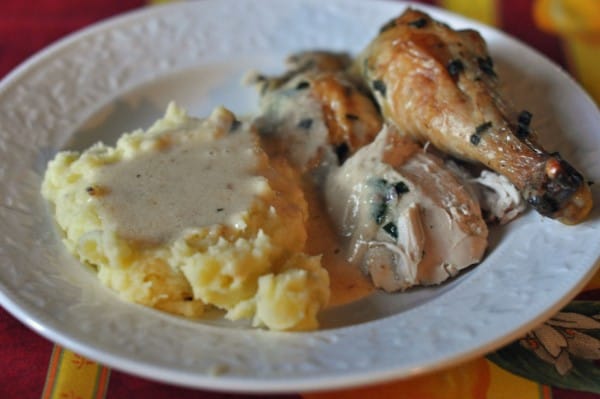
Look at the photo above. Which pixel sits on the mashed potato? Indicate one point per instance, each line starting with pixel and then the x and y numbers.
pixel 189 214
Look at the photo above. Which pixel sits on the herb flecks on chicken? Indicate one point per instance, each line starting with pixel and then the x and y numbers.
pixel 439 85
pixel 400 215
pixel 406 219
pixel 315 112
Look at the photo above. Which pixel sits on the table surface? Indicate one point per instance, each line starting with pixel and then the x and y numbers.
pixel 567 31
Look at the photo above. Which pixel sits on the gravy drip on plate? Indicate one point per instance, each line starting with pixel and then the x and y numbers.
pixel 155 196
pixel 347 282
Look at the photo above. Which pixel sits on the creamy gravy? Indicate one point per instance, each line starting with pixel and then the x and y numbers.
pixel 155 196
pixel 347 281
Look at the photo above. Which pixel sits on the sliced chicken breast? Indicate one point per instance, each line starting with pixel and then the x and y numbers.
pixel 406 219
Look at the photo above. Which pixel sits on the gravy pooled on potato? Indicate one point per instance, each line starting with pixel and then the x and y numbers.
pixel 192 213
pixel 158 194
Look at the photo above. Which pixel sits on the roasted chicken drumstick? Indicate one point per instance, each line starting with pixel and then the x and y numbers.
pixel 439 85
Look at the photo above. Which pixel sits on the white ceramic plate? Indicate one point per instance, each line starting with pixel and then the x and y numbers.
pixel 121 74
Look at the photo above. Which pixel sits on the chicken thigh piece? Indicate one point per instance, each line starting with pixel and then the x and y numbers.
pixel 406 219
pixel 439 85
pixel 314 114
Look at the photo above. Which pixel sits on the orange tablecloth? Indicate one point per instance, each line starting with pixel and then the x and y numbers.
pixel 567 31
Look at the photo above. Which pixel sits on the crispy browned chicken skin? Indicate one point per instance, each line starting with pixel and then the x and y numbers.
pixel 439 85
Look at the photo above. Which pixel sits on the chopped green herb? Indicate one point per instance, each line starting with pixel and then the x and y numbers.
pixel 305 123
pixel 379 86
pixel 302 85
pixel 455 68
pixel 383 193
pixel 523 121
pixel 342 151
pixel 483 127
pixel 379 212
pixel 220 209
pixel 418 23
pixel 486 65
pixel 524 118
pixel 391 229
pixel 522 131
pixel 475 139
pixel 401 188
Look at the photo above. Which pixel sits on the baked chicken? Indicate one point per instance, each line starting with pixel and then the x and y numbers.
pixel 407 220
pixel 439 85
pixel 402 216
pixel 315 114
